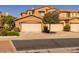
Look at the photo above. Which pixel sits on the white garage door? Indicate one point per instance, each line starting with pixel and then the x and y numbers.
pixel 31 28
pixel 56 27
pixel 75 27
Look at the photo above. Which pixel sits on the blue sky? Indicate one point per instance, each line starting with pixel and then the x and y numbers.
pixel 15 10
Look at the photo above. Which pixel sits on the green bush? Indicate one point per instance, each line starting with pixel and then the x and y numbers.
pixel 12 34
pixel 67 28
pixel 46 29
pixel 5 32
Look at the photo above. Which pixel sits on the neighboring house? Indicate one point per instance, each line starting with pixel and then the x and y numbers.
pixel 70 17
pixel 31 20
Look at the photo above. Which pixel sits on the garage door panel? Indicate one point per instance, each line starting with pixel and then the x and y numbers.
pixel 31 27
pixel 74 27
pixel 56 27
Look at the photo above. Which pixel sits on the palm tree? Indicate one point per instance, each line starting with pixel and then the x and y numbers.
pixel 51 18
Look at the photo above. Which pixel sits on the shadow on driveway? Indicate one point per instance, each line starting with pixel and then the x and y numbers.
pixel 45 43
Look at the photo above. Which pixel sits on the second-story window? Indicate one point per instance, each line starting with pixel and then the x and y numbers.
pixel 42 13
pixel 30 13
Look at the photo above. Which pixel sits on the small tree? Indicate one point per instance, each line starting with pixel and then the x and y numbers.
pixel 2 21
pixel 9 22
pixel 51 18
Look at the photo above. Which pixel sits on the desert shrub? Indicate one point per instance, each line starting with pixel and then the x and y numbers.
pixel 67 28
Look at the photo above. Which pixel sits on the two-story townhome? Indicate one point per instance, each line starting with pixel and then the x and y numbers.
pixel 31 20
pixel 70 17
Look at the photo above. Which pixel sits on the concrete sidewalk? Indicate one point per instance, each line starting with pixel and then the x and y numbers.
pixel 57 35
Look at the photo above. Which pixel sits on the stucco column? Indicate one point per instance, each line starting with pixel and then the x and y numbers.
pixel 42 26
pixel 64 23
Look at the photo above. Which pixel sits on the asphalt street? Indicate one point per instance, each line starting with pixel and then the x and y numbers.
pixel 23 45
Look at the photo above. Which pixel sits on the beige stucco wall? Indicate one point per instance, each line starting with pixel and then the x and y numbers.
pixel 75 14
pixel 36 11
pixel 43 9
pixel 63 15
pixel 24 15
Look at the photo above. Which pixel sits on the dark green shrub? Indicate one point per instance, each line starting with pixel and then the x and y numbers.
pixel 16 29
pixel 12 34
pixel 67 28
pixel 46 29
